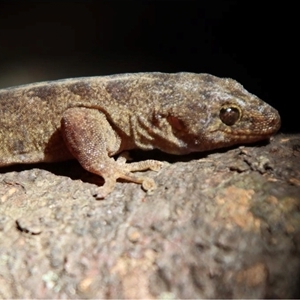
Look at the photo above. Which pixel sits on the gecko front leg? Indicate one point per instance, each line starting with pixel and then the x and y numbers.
pixel 92 141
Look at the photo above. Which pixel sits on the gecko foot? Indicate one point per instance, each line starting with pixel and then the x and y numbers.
pixel 148 184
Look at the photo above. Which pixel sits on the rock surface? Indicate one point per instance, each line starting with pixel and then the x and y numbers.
pixel 219 225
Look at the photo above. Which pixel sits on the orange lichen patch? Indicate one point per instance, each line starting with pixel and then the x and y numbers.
pixel 85 284
pixel 253 276
pixel 88 286
pixel 288 204
pixel 294 181
pixel 272 200
pixel 289 228
pixel 7 194
pixel 134 275
pixel 235 208
pixel 285 140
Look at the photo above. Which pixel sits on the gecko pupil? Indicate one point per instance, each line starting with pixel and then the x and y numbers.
pixel 229 115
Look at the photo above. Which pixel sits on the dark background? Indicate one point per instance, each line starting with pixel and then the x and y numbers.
pixel 255 43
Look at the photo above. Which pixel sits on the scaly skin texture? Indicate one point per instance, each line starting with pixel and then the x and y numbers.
pixel 94 118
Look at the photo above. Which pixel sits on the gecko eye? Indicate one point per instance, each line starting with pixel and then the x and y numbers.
pixel 229 115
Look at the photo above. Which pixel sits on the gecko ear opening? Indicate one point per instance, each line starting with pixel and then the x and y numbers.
pixel 230 114
pixel 176 123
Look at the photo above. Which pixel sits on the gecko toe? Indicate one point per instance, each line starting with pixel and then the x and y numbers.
pixel 156 165
pixel 98 194
pixel 101 192
pixel 149 184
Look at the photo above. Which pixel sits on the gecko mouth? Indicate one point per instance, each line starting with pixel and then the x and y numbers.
pixel 256 129
pixel 244 136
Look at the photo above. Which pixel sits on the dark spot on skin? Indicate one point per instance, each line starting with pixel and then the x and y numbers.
pixel 118 90
pixel 208 78
pixel 42 92
pixel 18 147
pixel 206 94
pixel 238 94
pixel 155 119
pixel 80 88
pixel 9 103
pixel 194 107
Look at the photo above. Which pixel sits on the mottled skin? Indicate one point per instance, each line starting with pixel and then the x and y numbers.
pixel 92 119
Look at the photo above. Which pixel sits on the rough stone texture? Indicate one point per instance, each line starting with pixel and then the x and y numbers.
pixel 220 225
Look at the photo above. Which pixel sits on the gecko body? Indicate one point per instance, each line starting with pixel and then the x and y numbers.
pixel 94 118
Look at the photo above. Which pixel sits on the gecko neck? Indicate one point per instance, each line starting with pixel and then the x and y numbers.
pixel 148 132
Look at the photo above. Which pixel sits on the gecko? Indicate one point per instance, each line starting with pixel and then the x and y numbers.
pixel 93 119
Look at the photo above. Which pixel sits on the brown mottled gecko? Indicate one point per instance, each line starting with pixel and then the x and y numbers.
pixel 92 119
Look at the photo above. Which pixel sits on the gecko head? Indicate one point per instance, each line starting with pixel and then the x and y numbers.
pixel 208 112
